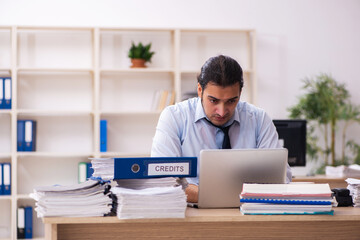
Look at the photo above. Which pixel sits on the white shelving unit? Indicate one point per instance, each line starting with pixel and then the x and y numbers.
pixel 68 79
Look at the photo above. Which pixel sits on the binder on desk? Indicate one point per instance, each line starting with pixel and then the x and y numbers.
pixel 7 93
pixel 2 99
pixel 20 223
pixel 89 170
pixel 7 178
pixel 28 222
pixel 1 179
pixel 137 168
pixel 30 135
pixel 103 135
pixel 20 135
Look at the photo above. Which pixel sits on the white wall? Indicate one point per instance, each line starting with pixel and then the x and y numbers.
pixel 296 38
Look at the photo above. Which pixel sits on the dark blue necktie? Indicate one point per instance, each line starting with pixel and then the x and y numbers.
pixel 226 142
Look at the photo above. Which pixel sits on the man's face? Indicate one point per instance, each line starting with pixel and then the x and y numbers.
pixel 219 102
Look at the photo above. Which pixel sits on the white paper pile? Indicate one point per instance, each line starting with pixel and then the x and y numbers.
pixel 90 198
pixel 354 187
pixel 150 182
pixel 351 171
pixel 155 202
pixel 103 168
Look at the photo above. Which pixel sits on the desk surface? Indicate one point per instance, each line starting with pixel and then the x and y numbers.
pixel 211 224
pixel 217 215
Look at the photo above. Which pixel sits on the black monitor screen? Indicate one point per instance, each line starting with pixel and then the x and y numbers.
pixel 292 135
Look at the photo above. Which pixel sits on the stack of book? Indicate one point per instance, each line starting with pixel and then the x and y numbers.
pixel 354 188
pixel 147 187
pixel 88 199
pixel 286 199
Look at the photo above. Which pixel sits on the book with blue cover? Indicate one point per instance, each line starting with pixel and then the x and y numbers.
pixel 268 199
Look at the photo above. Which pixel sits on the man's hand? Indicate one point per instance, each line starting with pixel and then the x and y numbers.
pixel 192 192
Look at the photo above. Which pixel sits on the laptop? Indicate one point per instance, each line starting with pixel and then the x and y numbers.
pixel 223 172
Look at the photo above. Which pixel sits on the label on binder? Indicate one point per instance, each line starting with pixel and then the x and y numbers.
pixel 156 169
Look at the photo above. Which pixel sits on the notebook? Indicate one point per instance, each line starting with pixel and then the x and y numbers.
pixel 222 173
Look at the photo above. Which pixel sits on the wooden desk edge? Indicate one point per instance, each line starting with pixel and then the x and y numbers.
pixel 216 215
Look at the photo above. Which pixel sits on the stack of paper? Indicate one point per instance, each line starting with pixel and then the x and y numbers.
pixel 103 168
pixel 286 199
pixel 354 187
pixel 351 171
pixel 155 202
pixel 90 198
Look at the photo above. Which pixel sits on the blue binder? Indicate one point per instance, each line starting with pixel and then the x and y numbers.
pixel 7 93
pixel 2 95
pixel 20 135
pixel 1 179
pixel 89 170
pixel 20 223
pixel 152 167
pixel 30 136
pixel 7 178
pixel 285 201
pixel 28 222
pixel 103 135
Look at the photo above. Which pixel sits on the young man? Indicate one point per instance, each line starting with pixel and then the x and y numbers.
pixel 215 119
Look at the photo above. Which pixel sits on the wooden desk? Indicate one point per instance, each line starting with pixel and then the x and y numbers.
pixel 332 181
pixel 211 224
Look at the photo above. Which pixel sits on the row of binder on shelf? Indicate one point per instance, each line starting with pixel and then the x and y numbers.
pixel 85 171
pixel 25 222
pixel 162 99
pixel 5 93
pixel 5 179
pixel 26 135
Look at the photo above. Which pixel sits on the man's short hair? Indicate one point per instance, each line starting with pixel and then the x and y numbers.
pixel 222 71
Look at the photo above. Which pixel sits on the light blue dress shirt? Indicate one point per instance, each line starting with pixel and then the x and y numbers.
pixel 183 131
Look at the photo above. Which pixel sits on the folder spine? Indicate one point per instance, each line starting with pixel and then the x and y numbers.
pixel 103 135
pixel 152 167
pixel 2 99
pixel 82 172
pixel 7 93
pixel 7 178
pixel 89 170
pixel 20 135
pixel 28 222
pixel 30 136
pixel 1 179
pixel 20 223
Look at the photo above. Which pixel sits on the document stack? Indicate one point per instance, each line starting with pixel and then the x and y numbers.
pixel 342 171
pixel 268 199
pixel 87 199
pixel 147 187
pixel 354 187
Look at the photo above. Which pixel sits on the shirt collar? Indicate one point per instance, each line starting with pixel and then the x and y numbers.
pixel 200 114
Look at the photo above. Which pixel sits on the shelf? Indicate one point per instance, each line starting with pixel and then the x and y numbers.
pixel 123 154
pixel 54 154
pixel 62 70
pixel 137 70
pixel 50 112
pixel 140 113
pixel 5 155
pixel 24 196
pixel 5 197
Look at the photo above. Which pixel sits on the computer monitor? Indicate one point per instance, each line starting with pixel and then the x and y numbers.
pixel 292 136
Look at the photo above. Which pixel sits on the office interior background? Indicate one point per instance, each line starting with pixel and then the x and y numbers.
pixel 295 39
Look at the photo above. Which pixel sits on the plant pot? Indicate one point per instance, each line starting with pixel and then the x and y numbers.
pixel 138 63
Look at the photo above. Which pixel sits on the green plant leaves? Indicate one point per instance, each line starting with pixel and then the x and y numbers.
pixel 140 51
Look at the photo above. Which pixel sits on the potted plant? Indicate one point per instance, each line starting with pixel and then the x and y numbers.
pixel 327 108
pixel 140 54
